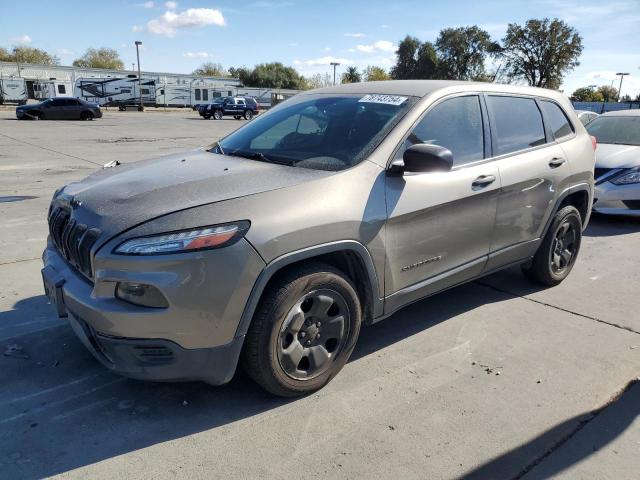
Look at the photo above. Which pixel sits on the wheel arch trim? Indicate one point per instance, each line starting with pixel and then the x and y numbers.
pixel 308 253
pixel 581 187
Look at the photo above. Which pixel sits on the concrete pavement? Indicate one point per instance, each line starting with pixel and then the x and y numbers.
pixel 495 379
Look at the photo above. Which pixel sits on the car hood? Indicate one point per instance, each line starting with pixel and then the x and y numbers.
pixel 617 156
pixel 118 198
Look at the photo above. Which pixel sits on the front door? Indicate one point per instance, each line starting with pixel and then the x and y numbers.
pixel 440 224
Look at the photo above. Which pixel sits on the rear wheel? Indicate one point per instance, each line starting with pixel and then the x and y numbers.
pixel 559 249
pixel 217 115
pixel 304 331
pixel 248 115
pixel 237 117
pixel 206 116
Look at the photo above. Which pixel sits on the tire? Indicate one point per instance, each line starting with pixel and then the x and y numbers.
pixel 237 117
pixel 248 114
pixel 303 331
pixel 559 249
pixel 86 116
pixel 217 115
pixel 206 116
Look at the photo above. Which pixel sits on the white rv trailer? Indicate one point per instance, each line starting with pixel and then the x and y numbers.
pixel 116 91
pixel 13 90
pixel 43 89
pixel 191 93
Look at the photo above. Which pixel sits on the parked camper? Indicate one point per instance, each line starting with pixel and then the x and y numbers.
pixel 173 95
pixel 116 91
pixel 13 90
pixel 43 89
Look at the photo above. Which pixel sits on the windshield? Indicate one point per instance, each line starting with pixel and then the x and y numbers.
pixel 618 130
pixel 324 132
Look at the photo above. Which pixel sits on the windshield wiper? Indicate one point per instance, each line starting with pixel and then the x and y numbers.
pixel 260 157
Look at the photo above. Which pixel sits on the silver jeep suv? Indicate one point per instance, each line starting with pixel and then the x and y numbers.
pixel 335 209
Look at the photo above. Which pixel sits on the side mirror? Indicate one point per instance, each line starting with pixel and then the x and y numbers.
pixel 423 158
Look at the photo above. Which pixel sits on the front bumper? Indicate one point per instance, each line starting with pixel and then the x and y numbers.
pixel 193 339
pixel 611 199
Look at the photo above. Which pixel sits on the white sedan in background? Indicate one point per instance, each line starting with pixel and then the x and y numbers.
pixel 617 170
pixel 586 116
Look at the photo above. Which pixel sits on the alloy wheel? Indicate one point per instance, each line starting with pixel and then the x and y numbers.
pixel 563 247
pixel 313 334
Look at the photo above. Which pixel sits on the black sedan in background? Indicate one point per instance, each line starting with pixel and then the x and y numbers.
pixel 59 109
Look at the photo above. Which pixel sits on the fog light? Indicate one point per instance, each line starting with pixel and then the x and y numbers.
pixel 141 295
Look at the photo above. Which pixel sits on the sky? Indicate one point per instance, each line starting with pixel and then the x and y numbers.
pixel 309 34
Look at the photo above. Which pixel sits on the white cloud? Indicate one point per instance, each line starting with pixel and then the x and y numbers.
pixel 171 5
pixel 21 40
pixel 148 4
pixel 385 26
pixel 137 28
pixel 327 49
pixel 65 51
pixel 169 23
pixel 321 61
pixel 196 55
pixel 354 35
pixel 379 46
pixel 293 44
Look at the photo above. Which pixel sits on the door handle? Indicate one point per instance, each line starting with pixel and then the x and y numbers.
pixel 556 162
pixel 483 181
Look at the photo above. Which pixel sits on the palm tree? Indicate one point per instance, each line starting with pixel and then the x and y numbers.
pixel 351 75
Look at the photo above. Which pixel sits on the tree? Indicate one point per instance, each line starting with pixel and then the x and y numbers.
pixel 107 58
pixel 414 60
pixel 462 52
pixel 352 75
pixel 625 98
pixel 241 73
pixel 609 94
pixel 28 55
pixel 273 75
pixel 210 69
pixel 319 80
pixel 586 94
pixel 375 74
pixel 541 52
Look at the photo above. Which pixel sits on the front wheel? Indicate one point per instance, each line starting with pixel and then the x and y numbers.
pixel 248 115
pixel 237 117
pixel 217 115
pixel 559 249
pixel 303 332
pixel 86 116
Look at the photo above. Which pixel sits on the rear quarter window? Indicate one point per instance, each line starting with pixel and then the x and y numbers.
pixel 556 119
pixel 516 123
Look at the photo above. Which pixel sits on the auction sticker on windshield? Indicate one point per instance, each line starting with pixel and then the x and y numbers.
pixel 386 99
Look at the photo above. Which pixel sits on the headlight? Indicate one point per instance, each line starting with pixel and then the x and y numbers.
pixel 204 238
pixel 632 176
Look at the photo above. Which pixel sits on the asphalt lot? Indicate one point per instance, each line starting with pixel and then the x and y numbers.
pixel 494 379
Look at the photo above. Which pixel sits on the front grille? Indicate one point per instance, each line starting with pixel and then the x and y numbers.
pixel 632 204
pixel 72 239
pixel 598 172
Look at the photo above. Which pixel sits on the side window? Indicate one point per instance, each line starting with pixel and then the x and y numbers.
pixel 205 94
pixel 455 124
pixel 62 89
pixel 557 120
pixel 57 103
pixel 517 123
pixel 241 102
pixel 145 91
pixel 197 94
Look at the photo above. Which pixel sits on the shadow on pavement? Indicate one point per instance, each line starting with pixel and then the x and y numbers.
pixel 61 410
pixel 609 225
pixel 581 442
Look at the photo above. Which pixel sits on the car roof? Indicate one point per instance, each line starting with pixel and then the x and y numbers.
pixel 623 113
pixel 422 88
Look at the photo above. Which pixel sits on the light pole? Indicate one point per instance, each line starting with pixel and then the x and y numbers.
pixel 622 74
pixel 138 43
pixel 334 64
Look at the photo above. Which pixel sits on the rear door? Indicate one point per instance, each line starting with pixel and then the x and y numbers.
pixel 440 224
pixel 532 166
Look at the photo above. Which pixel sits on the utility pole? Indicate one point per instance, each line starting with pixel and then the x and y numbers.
pixel 622 74
pixel 334 64
pixel 138 43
